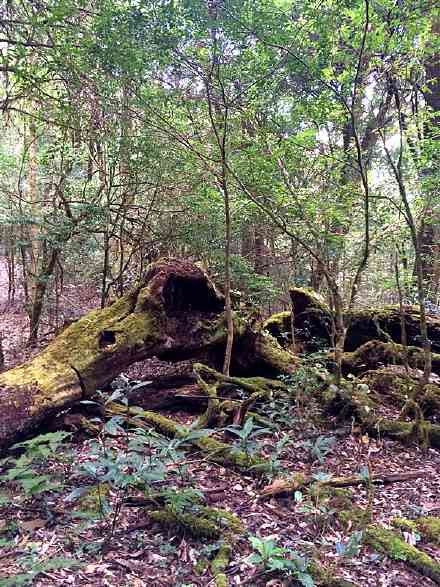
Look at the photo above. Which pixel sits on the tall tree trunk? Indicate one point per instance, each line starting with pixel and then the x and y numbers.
pixel 429 231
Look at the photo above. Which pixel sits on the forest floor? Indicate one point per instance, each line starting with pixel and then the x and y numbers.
pixel 35 531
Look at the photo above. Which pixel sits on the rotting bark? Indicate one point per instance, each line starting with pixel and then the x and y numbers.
pixel 177 313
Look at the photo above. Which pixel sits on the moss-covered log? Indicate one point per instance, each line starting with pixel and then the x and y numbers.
pixel 177 313
pixel 392 544
pixel 382 323
pixel 286 486
pixel 313 324
pixel 374 354
pixel 427 526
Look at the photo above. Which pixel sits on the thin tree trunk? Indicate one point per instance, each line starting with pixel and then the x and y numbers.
pixel 228 304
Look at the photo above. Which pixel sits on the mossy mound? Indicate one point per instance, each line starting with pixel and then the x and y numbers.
pixel 384 323
pixel 375 354
pixel 349 400
pixel 312 321
pixel 306 299
pixel 392 386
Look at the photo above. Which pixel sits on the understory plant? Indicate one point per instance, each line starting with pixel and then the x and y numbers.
pixel 247 435
pixel 28 470
pixel 269 557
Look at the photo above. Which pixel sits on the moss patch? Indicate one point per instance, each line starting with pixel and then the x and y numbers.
pixel 428 527
pixel 220 564
pixel 391 544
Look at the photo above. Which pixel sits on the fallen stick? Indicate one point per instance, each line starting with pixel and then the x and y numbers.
pixel 281 486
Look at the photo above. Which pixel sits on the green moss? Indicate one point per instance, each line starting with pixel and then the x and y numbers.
pixel 374 353
pixel 223 453
pixel 404 524
pixel 279 326
pixel 206 523
pixel 224 518
pixel 201 566
pixel 428 527
pixel 79 345
pixel 389 384
pixel 356 517
pixel 274 355
pixel 306 299
pixel 197 526
pixel 347 401
pixel 164 425
pixel 338 498
pixel 425 433
pixel 220 563
pixel 389 543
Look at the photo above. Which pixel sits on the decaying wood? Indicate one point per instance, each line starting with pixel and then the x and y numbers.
pixel 313 324
pixel 176 313
pixel 283 486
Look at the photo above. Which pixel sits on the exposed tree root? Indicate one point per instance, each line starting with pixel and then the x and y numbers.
pixel 391 544
pixel 212 523
pixel 207 523
pixel 216 451
pixel 351 402
pixel 212 382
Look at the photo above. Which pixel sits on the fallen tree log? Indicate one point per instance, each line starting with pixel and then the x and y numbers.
pixel 391 543
pixel 283 486
pixel 176 313
pixel 313 324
